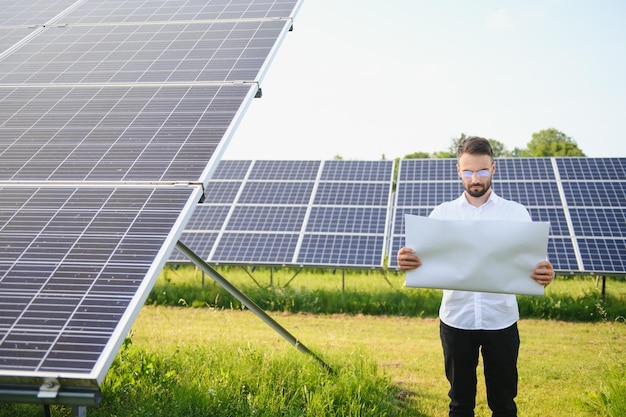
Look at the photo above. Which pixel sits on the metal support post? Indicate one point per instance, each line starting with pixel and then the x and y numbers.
pixel 251 305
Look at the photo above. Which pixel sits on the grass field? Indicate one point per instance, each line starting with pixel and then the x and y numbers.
pixel 561 364
pixel 186 361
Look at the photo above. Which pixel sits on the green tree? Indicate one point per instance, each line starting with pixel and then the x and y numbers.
pixel 551 142
pixel 417 155
pixel 499 149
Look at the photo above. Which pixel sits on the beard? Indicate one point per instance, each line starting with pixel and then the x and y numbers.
pixel 479 192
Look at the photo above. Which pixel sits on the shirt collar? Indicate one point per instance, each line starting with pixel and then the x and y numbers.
pixel 492 199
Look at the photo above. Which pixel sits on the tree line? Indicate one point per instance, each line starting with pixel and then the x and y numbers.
pixel 547 142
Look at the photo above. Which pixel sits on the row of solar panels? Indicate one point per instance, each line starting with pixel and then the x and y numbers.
pixel 113 115
pixel 346 213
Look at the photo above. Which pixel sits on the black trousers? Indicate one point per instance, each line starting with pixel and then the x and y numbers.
pixel 500 349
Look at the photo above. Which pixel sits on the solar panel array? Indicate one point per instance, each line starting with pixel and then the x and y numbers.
pixel 314 213
pixel 584 199
pixel 254 211
pixel 113 116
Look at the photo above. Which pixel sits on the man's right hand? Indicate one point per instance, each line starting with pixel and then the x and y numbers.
pixel 407 259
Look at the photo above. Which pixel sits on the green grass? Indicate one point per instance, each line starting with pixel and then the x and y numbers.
pixel 211 362
pixel 373 293
pixel 381 340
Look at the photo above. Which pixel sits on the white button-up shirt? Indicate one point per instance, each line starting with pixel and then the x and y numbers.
pixel 477 310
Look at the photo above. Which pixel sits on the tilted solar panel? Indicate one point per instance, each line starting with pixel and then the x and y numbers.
pixel 113 116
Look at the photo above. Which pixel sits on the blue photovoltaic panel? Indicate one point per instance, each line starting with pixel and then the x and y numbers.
pixel 427 170
pixel 368 220
pixel 524 169
pixel 345 250
pixel 266 219
pixel 353 194
pixel 600 169
pixel 349 202
pixel 199 243
pixel 423 194
pixel 531 193
pixel 255 248
pixel 553 215
pixel 603 256
pixel 599 222
pixel 594 189
pixel 283 203
pixel 231 170
pixel 595 194
pixel 211 218
pixel 356 171
pixel 562 255
pixel 285 170
pixel 276 193
pixel 222 192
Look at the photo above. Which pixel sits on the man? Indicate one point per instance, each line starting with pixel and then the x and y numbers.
pixel 470 321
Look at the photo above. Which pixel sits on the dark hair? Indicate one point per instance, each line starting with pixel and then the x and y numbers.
pixel 474 145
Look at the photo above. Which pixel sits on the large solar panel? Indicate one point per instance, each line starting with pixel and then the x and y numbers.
pixel 582 198
pixel 303 213
pixel 594 190
pixel 113 116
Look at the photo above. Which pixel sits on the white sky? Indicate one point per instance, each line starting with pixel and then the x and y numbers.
pixel 360 78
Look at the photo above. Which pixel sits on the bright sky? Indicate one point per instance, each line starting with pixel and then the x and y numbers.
pixel 362 79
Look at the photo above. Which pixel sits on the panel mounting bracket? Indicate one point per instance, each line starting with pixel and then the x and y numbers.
pixel 49 389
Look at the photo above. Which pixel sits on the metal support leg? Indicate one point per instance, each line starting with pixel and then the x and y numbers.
pixel 243 299
pixel 79 411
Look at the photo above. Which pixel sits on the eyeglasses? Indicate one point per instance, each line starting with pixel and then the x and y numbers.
pixel 483 173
